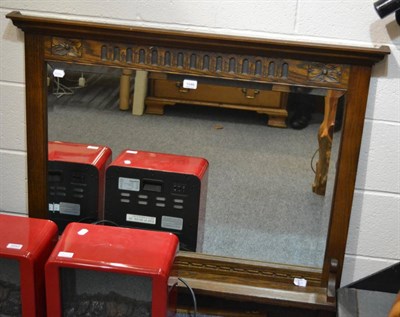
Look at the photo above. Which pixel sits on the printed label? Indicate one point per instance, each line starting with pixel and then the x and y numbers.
pixel 14 246
pixel 189 84
pixel 141 219
pixel 131 184
pixel 59 73
pixel 63 254
pixel 300 282
pixel 171 223
pixel 83 231
pixel 70 209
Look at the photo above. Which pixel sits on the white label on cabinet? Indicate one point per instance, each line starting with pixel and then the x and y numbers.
pixel 172 223
pixel 59 73
pixel 131 184
pixel 300 282
pixel 83 231
pixel 15 246
pixel 141 219
pixel 63 254
pixel 69 209
pixel 189 84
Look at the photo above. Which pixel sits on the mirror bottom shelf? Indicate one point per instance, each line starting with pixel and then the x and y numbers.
pixel 233 300
pixel 225 282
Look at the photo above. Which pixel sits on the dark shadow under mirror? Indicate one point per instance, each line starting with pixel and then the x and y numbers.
pixel 260 202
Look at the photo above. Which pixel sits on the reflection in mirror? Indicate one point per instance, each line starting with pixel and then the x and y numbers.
pixel 260 202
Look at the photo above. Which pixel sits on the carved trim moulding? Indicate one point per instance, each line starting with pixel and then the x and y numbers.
pixel 257 274
pixel 199 63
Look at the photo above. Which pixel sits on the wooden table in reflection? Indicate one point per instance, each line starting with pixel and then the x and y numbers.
pixel 155 91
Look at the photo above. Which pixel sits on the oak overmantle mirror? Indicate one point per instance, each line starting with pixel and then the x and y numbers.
pixel 331 73
pixel 260 201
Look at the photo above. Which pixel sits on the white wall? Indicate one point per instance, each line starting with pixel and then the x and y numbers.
pixel 374 238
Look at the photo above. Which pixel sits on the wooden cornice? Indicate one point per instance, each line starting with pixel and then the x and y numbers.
pixel 200 41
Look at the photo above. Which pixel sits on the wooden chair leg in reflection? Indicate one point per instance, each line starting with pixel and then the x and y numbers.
pixel 125 88
pixel 140 94
pixel 395 310
pixel 325 137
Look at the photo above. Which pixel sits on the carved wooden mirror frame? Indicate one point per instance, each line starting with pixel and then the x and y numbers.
pixel 312 68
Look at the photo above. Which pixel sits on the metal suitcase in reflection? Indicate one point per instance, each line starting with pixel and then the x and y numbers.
pixel 159 191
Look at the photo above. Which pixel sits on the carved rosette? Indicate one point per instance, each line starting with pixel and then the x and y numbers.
pixel 66 47
pixel 326 73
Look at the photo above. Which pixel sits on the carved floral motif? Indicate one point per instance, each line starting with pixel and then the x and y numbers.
pixel 328 73
pixel 66 47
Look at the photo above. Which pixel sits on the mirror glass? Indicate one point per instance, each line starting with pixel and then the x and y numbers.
pixel 260 202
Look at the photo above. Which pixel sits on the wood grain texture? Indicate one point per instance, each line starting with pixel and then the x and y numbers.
pixel 349 150
pixel 200 41
pixel 256 68
pixel 233 270
pixel 36 125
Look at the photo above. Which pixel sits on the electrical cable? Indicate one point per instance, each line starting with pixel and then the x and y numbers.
pixel 193 295
pixel 61 89
pixel 312 161
pixel 109 222
pixel 184 247
pixel 87 220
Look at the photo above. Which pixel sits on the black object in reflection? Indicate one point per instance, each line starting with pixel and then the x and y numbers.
pixel 302 107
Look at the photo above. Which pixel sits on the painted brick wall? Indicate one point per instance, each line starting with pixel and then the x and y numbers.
pixel 374 238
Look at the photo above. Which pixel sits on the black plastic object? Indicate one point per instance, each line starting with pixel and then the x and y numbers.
pixel 371 296
pixel 386 7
